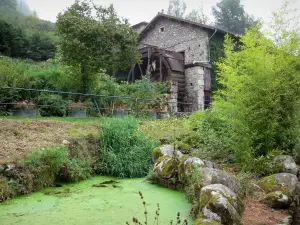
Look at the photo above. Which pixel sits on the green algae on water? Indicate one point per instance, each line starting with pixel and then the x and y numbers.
pixel 82 204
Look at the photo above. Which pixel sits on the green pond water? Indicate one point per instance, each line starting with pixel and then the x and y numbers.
pixel 82 203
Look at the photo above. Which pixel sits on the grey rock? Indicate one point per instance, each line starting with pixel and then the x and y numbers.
pixel 189 170
pixel 209 164
pixel 218 203
pixel 279 182
pixel 166 168
pixel 285 164
pixel 278 200
pixel 194 161
pixel 169 151
pixel 208 176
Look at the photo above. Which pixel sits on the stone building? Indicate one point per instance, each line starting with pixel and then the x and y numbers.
pixel 179 51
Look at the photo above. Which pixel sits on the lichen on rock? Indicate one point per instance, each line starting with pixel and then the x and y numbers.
pixel 285 182
pixel 166 167
pixel 208 176
pixel 189 170
pixel 218 203
pixel 280 190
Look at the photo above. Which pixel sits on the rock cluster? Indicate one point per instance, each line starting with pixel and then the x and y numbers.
pixel 219 193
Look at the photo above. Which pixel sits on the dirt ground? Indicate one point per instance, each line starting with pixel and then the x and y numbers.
pixel 18 138
pixel 259 214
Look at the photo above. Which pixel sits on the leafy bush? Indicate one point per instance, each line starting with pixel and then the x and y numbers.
pixel 125 151
pixel 52 105
pixel 217 138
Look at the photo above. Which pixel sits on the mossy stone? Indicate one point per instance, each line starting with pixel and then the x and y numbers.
pixel 201 221
pixel 156 153
pixel 278 200
pixel 219 202
pixel 272 184
pixel 166 167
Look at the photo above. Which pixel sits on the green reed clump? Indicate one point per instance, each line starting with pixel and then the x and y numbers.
pixel 125 151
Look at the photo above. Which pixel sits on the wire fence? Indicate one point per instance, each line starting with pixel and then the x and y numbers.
pixel 30 102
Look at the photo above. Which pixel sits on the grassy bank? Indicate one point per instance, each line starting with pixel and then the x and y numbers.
pixel 46 152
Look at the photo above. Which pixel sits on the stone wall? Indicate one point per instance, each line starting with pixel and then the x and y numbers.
pixel 173 97
pixel 179 37
pixel 193 41
pixel 194 88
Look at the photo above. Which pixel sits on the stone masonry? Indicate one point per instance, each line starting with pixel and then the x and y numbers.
pixel 192 41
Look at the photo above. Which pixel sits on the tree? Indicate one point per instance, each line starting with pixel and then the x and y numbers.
pixel 197 16
pixel 41 46
pixel 231 16
pixel 13 41
pixel 261 89
pixel 9 3
pixel 177 8
pixel 95 41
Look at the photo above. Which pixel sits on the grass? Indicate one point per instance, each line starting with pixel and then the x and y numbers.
pixel 171 130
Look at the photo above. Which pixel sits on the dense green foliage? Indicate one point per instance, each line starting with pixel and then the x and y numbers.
pixel 256 111
pixel 45 165
pixel 52 105
pixel 231 16
pixel 51 75
pixel 95 41
pixel 25 36
pixel 125 151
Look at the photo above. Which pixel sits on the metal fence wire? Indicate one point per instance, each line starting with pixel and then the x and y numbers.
pixel 14 101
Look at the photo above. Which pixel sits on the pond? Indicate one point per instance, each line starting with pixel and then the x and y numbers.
pixel 82 203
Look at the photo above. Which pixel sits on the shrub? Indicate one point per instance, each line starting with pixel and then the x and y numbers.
pixel 125 151
pixel 217 137
pixel 45 165
pixel 52 105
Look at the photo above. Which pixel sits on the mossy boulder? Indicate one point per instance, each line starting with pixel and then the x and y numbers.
pixel 278 200
pixel 165 150
pixel 156 153
pixel 189 170
pixel 166 167
pixel 280 189
pixel 220 204
pixel 208 176
pixel 285 182
pixel 285 164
